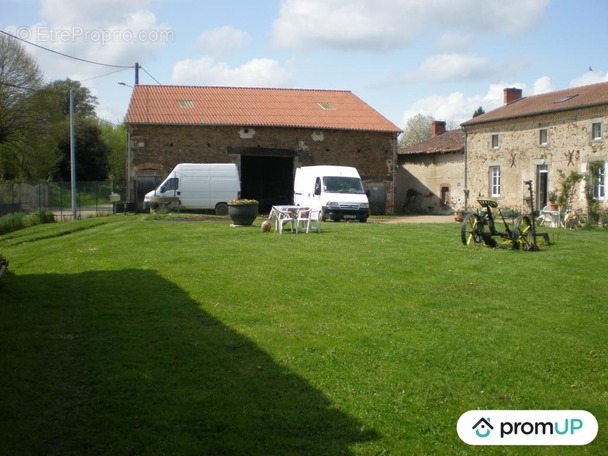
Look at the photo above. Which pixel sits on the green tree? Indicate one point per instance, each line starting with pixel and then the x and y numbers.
pixel 91 151
pixel 28 113
pixel 479 111
pixel 19 78
pixel 418 129
pixel 84 102
pixel 115 138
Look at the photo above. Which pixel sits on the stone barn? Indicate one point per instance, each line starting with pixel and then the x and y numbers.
pixel 267 132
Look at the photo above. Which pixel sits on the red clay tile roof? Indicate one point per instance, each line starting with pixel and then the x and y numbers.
pixel 450 141
pixel 191 105
pixel 561 100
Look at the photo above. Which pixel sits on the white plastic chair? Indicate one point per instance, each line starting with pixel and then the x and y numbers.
pixel 284 218
pixel 303 220
pixel 314 221
pixel 548 216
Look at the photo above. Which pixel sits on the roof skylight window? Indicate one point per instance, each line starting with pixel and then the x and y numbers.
pixel 566 98
pixel 185 104
pixel 327 106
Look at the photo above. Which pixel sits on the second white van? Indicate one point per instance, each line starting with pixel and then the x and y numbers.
pixel 337 191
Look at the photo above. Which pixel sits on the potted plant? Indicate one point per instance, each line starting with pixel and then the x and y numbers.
pixel 553 200
pixel 243 212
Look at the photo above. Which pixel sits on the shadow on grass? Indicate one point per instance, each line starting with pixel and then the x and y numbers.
pixel 126 363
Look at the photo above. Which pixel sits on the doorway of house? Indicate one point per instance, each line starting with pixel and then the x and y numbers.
pixel 267 179
pixel 542 186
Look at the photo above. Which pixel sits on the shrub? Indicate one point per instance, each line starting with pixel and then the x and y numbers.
pixel 11 222
pixel 20 220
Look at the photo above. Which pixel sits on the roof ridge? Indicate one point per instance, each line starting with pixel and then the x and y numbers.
pixel 584 96
pixel 287 89
pixel 254 106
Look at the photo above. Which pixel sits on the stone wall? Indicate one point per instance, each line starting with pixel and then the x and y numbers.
pixel 519 154
pixel 423 180
pixel 156 149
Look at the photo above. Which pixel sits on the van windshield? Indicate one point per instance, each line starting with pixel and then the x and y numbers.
pixel 170 184
pixel 339 184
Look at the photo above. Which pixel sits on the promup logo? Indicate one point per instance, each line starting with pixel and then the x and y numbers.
pixel 527 427
pixel 483 427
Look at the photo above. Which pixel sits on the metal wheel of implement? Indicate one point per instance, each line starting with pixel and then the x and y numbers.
pixel 472 230
pixel 523 238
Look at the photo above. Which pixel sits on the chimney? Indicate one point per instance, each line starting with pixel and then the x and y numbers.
pixel 437 128
pixel 512 94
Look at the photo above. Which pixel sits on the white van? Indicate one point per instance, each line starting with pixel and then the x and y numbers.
pixel 197 186
pixel 337 191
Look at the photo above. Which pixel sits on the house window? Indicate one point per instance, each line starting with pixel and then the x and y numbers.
pixel 598 173
pixel 494 180
pixel 542 139
pixel 445 195
pixel 596 130
pixel 495 141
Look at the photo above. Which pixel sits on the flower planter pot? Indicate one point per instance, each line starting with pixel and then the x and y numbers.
pixel 243 214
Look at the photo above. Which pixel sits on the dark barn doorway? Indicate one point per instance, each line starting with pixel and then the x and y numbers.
pixel 267 179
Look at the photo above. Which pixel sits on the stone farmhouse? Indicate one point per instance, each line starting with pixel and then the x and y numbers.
pixel 430 174
pixel 542 138
pixel 268 133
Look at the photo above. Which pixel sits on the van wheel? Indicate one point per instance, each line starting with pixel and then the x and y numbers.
pixel 221 209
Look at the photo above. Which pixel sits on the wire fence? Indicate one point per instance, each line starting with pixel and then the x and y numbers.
pixel 92 198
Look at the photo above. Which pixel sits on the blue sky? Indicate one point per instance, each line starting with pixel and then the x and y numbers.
pixel 442 58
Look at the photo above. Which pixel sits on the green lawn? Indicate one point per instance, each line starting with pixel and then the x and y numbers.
pixel 151 335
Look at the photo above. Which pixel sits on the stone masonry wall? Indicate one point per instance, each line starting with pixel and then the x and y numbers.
pixel 161 147
pixel 569 147
pixel 420 181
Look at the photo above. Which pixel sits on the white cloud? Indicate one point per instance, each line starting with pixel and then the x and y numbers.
pixel 459 107
pixel 255 73
pixel 452 67
pixel 542 85
pixel 590 77
pixel 107 31
pixel 391 24
pixel 70 13
pixel 223 40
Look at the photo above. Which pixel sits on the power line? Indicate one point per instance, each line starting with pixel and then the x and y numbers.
pixel 146 71
pixel 66 55
pixel 105 74
pixel 8 84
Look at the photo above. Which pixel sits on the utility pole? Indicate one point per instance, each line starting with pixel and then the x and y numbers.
pixel 136 73
pixel 73 155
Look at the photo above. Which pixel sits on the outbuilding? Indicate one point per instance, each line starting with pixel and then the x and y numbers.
pixel 267 132
pixel 431 173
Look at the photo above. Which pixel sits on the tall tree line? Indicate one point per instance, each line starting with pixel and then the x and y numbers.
pixel 35 125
